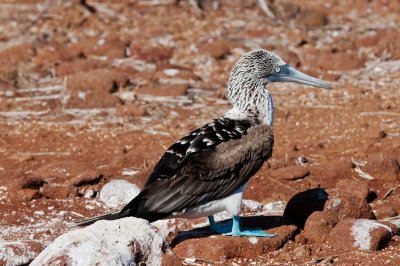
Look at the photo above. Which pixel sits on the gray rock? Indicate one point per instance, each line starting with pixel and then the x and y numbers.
pixel 362 234
pixel 127 241
pixel 117 193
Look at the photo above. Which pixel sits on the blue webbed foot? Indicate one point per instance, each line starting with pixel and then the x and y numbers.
pixel 251 232
pixel 235 231
pixel 218 228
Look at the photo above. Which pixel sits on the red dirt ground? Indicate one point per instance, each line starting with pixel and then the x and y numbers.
pixel 85 96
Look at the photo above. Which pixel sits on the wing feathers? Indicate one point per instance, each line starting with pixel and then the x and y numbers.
pixel 208 164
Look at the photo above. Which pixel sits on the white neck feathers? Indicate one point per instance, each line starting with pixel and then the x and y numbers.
pixel 255 104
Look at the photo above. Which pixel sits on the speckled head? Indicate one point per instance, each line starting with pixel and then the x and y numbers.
pixel 252 73
pixel 263 67
pixel 257 66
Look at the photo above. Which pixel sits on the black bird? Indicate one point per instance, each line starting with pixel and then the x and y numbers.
pixel 206 171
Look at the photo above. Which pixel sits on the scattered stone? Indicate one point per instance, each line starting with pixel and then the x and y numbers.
pixel 340 205
pixel 216 49
pixel 309 16
pixel 312 18
pixel 303 204
pixel 300 239
pixel 189 245
pixel 12 67
pixel 165 226
pixel 302 251
pixel 290 173
pixel 85 178
pixel 118 193
pixel 77 66
pixel 31 182
pixel 369 40
pixel 174 72
pixel 352 187
pixel 19 252
pixel 382 167
pixel 318 226
pixel 361 234
pixel 169 258
pixel 17 54
pixel 384 7
pixel 275 207
pixel 94 88
pixel 47 57
pixel 251 205
pixel 340 61
pixel 59 191
pixel 27 194
pixel 152 54
pixel 119 242
pixel 388 44
pixel 164 90
pixel 131 110
pixel 334 170
pixel 107 47
pixel 89 194
pixel 68 172
pixel 386 211
pixel 181 74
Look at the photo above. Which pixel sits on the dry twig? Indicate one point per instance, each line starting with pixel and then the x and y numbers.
pixel 88 7
pixel 362 174
pixel 390 191
pixel 280 183
pixel 266 9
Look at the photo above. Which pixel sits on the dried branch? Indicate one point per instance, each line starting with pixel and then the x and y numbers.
pixel 266 9
pixel 362 174
pixel 280 183
pixel 86 6
pixel 379 113
pixel 390 191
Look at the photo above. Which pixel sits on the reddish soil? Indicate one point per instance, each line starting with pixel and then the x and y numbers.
pixel 84 97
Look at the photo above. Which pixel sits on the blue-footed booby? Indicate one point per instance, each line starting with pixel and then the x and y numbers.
pixel 206 171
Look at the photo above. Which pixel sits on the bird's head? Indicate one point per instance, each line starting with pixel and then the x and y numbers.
pixel 250 75
pixel 264 67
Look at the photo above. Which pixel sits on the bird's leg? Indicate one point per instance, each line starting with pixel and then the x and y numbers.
pixel 251 232
pixel 220 229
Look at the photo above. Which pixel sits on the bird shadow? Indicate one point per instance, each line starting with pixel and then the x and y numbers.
pixel 246 222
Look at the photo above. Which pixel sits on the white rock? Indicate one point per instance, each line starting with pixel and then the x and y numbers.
pixel 88 194
pixel 275 208
pixel 171 72
pixel 117 193
pixel 253 240
pixel 252 205
pixel 190 260
pixel 17 252
pixel 165 227
pixel 361 232
pixel 82 95
pixel 127 241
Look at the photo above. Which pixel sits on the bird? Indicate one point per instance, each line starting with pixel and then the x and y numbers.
pixel 206 171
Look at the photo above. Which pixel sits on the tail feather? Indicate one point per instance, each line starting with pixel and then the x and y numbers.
pixel 135 208
pixel 107 216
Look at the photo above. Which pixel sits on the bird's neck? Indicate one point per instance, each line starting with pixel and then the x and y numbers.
pixel 252 102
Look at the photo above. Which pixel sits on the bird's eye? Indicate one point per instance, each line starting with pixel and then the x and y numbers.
pixel 277 70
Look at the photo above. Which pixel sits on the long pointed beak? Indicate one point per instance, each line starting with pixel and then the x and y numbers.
pixel 285 73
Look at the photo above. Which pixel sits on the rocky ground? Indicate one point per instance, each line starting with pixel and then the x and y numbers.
pixel 93 94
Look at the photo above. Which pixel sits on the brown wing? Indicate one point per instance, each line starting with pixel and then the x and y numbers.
pixel 200 140
pixel 210 174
